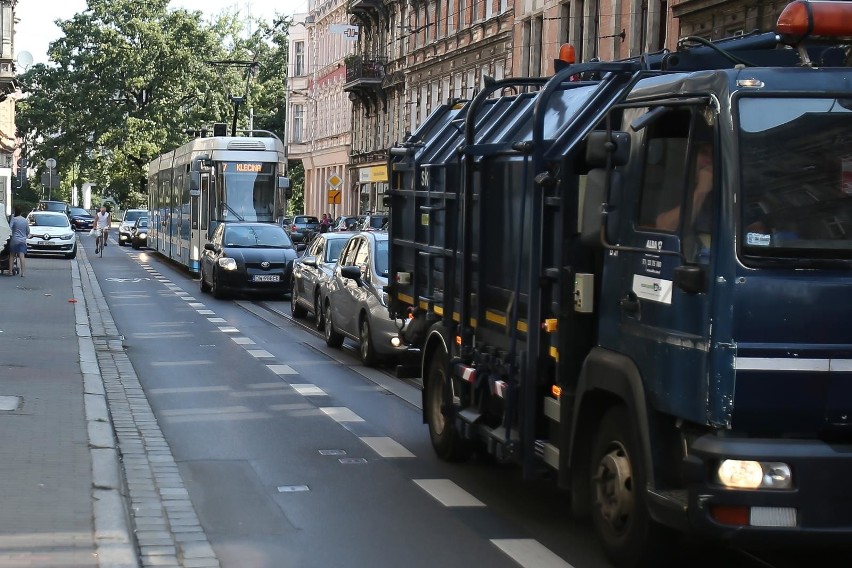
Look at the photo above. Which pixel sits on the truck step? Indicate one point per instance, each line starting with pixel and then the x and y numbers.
pixel 469 415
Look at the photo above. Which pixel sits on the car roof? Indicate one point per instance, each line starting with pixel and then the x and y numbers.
pixel 55 213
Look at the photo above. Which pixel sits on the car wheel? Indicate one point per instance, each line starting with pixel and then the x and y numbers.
pixel 205 287
pixel 332 337
pixel 368 353
pixel 319 316
pixel 295 308
pixel 617 481
pixel 216 288
pixel 446 439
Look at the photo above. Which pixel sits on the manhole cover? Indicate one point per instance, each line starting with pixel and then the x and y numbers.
pixel 10 403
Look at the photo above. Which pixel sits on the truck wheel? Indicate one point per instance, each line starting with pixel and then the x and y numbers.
pixel 619 513
pixel 446 439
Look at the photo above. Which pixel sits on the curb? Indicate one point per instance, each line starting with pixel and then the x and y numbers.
pixel 114 542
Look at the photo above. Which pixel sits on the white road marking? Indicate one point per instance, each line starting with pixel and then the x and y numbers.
pixel 282 369
pixel 188 390
pixel 206 312
pixel 295 407
pixel 340 413
pixel 259 353
pixel 216 320
pixel 179 363
pixel 163 335
pixel 261 386
pixel 196 305
pixel 258 394
pixel 387 447
pixel 218 417
pixel 243 341
pixel 204 411
pixel 311 390
pixel 188 298
pixel 529 553
pixel 448 493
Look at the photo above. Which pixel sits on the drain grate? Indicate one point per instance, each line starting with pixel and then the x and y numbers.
pixel 10 403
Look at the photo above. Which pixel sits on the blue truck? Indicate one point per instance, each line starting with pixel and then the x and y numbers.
pixel 637 274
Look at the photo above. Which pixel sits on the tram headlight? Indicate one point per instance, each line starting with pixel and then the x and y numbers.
pixel 228 263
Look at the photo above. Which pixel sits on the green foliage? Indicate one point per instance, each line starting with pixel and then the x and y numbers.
pixel 128 78
pixel 296 174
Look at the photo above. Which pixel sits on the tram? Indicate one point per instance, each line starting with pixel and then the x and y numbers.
pixel 213 180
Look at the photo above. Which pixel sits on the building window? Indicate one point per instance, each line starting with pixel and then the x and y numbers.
pixel 298 58
pixel 298 123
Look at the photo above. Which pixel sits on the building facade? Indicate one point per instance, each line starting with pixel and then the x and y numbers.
pixel 711 19
pixel 9 151
pixel 318 110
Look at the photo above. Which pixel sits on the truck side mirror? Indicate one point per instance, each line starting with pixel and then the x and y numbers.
pixel 603 186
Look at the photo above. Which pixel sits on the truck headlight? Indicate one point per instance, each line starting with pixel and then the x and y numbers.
pixel 749 474
pixel 228 263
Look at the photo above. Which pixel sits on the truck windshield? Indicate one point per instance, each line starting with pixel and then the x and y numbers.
pixel 248 190
pixel 796 168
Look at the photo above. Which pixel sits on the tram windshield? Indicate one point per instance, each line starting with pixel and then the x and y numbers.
pixel 247 191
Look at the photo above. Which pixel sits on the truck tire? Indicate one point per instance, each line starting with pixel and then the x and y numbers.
pixel 446 439
pixel 619 513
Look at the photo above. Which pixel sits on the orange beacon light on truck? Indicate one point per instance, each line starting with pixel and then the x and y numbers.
pixel 830 20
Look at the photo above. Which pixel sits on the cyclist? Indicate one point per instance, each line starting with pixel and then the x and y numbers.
pixel 102 225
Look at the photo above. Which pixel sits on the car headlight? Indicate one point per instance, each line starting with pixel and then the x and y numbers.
pixel 142 235
pixel 67 237
pixel 383 297
pixel 749 474
pixel 228 263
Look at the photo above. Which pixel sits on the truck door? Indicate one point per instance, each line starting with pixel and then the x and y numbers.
pixel 665 327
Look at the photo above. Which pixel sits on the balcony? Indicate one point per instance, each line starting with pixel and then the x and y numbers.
pixel 364 75
pixel 365 8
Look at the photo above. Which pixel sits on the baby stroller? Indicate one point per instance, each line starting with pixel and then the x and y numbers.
pixel 5 238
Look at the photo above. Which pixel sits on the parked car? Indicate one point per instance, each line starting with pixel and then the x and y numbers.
pixel 139 233
pixel 303 228
pixel 374 222
pixel 127 222
pixel 311 271
pixel 51 233
pixel 48 205
pixel 355 303
pixel 247 257
pixel 80 218
pixel 345 223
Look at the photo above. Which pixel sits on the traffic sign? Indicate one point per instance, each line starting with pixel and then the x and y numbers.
pixel 334 181
pixel 50 163
pixel 335 197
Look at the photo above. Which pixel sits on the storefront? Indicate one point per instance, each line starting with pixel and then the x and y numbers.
pixel 372 184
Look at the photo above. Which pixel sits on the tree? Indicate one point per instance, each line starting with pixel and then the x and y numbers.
pixel 129 78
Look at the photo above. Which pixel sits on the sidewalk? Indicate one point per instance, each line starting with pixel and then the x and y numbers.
pixel 86 477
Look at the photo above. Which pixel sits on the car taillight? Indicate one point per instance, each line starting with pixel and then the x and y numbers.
pixel 293 228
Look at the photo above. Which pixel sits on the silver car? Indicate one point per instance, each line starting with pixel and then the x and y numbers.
pixel 311 271
pixel 355 301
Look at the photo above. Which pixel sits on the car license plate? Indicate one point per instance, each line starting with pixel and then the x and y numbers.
pixel 46 244
pixel 267 278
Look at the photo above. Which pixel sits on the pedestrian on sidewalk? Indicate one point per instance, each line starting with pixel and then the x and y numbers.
pixel 18 243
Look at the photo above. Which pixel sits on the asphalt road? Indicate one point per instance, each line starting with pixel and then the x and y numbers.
pixel 296 455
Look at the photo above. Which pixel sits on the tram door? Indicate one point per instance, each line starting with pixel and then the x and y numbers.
pixel 164 230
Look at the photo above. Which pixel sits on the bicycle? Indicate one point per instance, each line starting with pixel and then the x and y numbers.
pixel 100 241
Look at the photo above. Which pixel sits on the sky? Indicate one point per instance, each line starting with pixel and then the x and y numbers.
pixel 35 28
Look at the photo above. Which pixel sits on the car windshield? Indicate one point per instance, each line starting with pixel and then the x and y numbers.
pixel 142 222
pixel 52 206
pixel 333 248
pixel 257 236
pixel 306 220
pixel 382 257
pixel 49 221
pixel 796 170
pixel 131 216
pixel 79 211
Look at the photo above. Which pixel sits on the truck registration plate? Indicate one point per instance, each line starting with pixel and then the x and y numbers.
pixel 267 278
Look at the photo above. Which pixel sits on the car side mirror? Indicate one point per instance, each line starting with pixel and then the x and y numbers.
pixel 301 247
pixel 210 247
pixel 353 272
pixel 310 261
